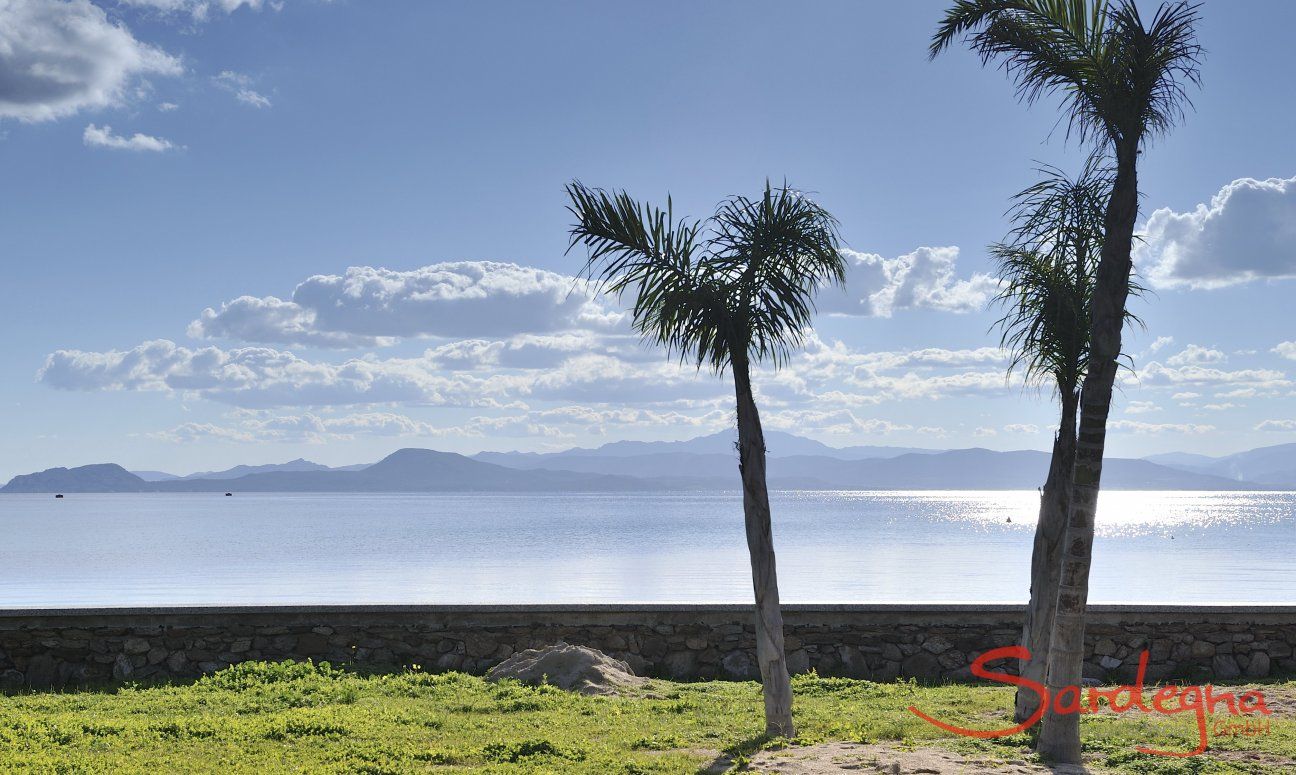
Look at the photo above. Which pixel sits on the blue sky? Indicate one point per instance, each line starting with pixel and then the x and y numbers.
pixel 166 157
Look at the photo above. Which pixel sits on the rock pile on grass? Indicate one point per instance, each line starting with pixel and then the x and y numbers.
pixel 574 668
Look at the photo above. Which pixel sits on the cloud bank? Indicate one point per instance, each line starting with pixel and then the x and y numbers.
pixel 368 306
pixel 1246 233
pixel 923 279
pixel 58 58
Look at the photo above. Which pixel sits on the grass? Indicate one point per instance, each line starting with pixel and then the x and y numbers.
pixel 262 717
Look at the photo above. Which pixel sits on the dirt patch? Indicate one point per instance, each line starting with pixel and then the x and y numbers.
pixel 874 759
pixel 574 668
pixel 1281 699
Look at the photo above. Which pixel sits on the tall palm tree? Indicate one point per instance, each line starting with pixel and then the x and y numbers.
pixel 1046 266
pixel 723 293
pixel 1122 82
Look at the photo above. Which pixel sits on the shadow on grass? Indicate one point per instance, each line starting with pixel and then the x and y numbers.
pixel 735 756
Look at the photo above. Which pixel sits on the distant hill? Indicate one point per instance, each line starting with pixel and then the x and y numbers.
pixel 101 477
pixel 412 470
pixel 299 464
pixel 1270 466
pixel 963 469
pixel 777 443
pixel 649 465
pixel 155 476
pixel 705 463
pixel 233 473
pixel 984 469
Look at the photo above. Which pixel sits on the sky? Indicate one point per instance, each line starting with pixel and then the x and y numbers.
pixel 244 232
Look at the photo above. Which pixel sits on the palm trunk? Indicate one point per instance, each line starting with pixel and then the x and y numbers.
pixel 1060 739
pixel 770 655
pixel 1046 558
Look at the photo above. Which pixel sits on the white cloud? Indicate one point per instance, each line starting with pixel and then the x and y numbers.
pixel 379 424
pixel 832 422
pixel 1134 426
pixel 1277 425
pixel 258 376
pixel 559 422
pixel 1196 354
pixel 198 10
pixel 915 385
pixel 103 137
pixel 597 421
pixel 272 320
pixel 1246 233
pixel 190 432
pixel 1159 342
pixel 58 58
pixel 598 378
pixel 1239 393
pixel 167 107
pixel 303 428
pixel 985 431
pixel 939 356
pixel 369 305
pixel 240 86
pixel 1286 350
pixel 1141 407
pixel 535 351
pixel 1220 407
pixel 1021 428
pixel 524 369
pixel 923 279
pixel 264 377
pixel 1156 374
pixel 926 376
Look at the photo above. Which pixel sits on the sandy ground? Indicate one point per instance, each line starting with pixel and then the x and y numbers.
pixel 837 758
pixel 880 759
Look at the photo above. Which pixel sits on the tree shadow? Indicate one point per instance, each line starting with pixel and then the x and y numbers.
pixel 735 755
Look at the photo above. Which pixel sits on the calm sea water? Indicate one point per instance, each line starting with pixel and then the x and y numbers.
pixel 89 550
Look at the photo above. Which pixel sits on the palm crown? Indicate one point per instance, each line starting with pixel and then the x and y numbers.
pixel 739 284
pixel 1120 80
pixel 1047 268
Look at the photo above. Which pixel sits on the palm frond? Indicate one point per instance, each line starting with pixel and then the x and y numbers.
pixel 1119 80
pixel 745 289
pixel 638 250
pixel 779 251
pixel 1156 63
pixel 1047 47
pixel 1047 265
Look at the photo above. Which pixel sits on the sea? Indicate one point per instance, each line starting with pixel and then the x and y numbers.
pixel 832 547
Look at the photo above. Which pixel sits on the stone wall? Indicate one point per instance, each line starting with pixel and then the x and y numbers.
pixel 929 642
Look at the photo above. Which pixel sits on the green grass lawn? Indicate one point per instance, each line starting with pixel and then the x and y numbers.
pixel 260 717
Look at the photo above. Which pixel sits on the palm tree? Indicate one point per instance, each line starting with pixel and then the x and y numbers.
pixel 1122 83
pixel 1047 271
pixel 723 293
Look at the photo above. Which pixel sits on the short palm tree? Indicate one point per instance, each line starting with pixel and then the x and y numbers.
pixel 723 293
pixel 1046 267
pixel 1122 82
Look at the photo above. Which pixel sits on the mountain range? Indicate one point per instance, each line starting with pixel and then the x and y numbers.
pixel 1274 466
pixel 703 463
